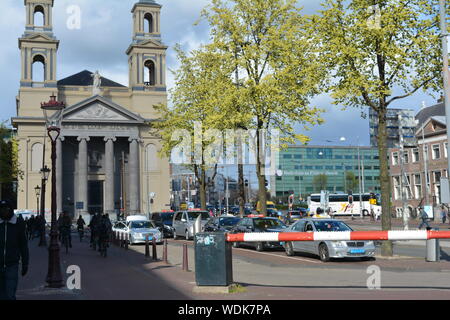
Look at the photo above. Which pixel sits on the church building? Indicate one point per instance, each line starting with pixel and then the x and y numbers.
pixel 107 156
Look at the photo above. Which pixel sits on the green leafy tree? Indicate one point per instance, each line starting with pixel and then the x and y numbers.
pixel 202 82
pixel 320 182
pixel 351 181
pixel 278 70
pixel 379 52
pixel 9 165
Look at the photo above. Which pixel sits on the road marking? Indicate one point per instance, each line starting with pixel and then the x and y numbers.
pixel 278 256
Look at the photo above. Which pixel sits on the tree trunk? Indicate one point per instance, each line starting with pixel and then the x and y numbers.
pixel 241 185
pixel 386 249
pixel 262 192
pixel 203 190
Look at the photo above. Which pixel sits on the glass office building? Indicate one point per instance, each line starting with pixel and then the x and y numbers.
pixel 299 165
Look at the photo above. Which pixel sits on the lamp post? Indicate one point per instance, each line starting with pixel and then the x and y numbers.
pixel 45 172
pixel 37 190
pixel 53 111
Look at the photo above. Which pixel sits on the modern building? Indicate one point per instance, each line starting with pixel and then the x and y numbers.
pixel 393 127
pixel 299 165
pixel 106 155
pixel 429 156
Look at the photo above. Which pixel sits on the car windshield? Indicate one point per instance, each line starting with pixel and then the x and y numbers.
pixel 194 214
pixel 269 224
pixel 141 224
pixel 167 216
pixel 231 221
pixel 331 226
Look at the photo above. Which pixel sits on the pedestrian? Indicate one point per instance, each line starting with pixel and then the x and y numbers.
pixel 14 249
pixel 31 227
pixel 443 214
pixel 377 215
pixel 424 217
pixel 372 215
pixel 66 226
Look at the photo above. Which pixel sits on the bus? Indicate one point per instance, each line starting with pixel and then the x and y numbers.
pixel 345 205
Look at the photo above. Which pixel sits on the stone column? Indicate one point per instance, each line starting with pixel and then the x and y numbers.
pixel 109 174
pixel 133 169
pixel 82 175
pixel 59 175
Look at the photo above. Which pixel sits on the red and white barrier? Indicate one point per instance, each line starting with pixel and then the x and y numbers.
pixel 338 236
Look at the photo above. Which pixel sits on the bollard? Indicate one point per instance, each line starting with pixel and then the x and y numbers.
pixel 147 249
pixel 185 257
pixel 433 249
pixel 154 254
pixel 165 252
pixel 126 240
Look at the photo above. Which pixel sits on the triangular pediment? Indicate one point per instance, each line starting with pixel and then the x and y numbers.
pixel 99 109
pixel 38 37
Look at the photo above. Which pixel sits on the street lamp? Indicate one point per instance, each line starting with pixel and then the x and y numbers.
pixel 53 111
pixel 37 190
pixel 45 172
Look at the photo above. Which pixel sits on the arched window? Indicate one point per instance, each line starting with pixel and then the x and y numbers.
pixel 38 70
pixel 39 16
pixel 148 23
pixel 151 158
pixel 149 73
pixel 36 157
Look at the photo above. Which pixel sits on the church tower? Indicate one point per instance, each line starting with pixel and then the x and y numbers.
pixel 38 48
pixel 147 53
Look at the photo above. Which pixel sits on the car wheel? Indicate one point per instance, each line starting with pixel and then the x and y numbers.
pixel 235 244
pixel 323 253
pixel 289 249
pixel 259 247
pixel 365 213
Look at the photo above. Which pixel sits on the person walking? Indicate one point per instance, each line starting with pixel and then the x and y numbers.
pixel 66 226
pixel 80 227
pixel 424 217
pixel 13 249
pixel 443 214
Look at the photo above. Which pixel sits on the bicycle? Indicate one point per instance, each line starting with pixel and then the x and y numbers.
pixel 103 246
pixel 65 234
pixel 81 234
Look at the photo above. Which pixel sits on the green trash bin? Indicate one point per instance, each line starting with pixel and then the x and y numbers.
pixel 213 259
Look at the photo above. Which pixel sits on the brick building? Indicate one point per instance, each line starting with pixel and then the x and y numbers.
pixel 432 145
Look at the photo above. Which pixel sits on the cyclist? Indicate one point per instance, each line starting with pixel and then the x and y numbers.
pixel 93 225
pixel 104 231
pixel 80 227
pixel 66 225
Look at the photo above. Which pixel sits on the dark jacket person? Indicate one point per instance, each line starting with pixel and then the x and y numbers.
pixel 13 249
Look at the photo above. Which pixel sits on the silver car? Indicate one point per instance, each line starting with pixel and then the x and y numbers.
pixel 138 230
pixel 327 249
pixel 183 222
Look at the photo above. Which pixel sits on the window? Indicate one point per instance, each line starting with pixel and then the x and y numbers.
pixel 287 156
pixel 405 157
pixel 319 167
pixel 148 23
pixel 150 74
pixel 408 188
pixel 348 167
pixel 309 167
pixel 328 167
pixel 397 191
pixel 338 157
pixel 417 186
pixel 445 149
pixel 436 152
pixel 297 156
pixel 437 176
pixel 38 16
pixel 297 178
pixel 298 167
pixel 415 155
pixel 348 157
pixel 367 168
pixel 339 167
pixel 279 178
pixel 395 158
pixel 38 69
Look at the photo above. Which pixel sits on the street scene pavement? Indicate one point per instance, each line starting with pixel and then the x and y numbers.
pixel 269 275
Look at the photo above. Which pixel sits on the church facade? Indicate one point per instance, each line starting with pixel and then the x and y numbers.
pixel 107 156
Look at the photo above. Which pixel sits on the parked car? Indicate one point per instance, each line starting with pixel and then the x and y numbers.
pixel 183 222
pixel 259 224
pixel 138 228
pixel 327 249
pixel 163 221
pixel 221 224
pixel 294 215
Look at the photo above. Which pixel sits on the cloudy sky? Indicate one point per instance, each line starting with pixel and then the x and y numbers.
pixel 105 34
